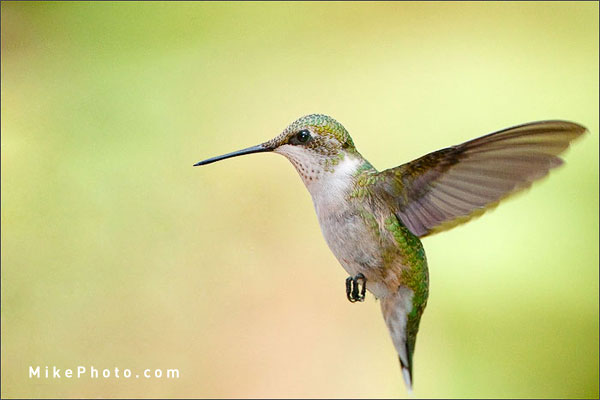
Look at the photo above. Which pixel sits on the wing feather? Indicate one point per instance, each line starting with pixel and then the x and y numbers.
pixel 450 186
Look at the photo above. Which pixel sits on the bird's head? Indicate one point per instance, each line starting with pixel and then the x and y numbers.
pixel 315 144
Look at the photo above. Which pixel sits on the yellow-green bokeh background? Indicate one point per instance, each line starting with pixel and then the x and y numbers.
pixel 117 253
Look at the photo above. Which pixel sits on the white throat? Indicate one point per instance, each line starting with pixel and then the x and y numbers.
pixel 330 191
pixel 327 188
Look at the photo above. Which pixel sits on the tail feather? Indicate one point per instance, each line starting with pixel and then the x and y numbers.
pixel 403 323
pixel 407 375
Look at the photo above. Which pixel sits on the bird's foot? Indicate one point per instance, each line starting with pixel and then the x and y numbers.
pixel 356 288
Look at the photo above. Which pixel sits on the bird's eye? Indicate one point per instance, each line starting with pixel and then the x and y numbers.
pixel 301 137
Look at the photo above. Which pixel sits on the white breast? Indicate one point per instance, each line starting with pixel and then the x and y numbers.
pixel 341 223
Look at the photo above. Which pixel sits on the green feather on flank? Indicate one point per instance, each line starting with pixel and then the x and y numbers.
pixel 415 276
pixel 366 175
pixel 371 222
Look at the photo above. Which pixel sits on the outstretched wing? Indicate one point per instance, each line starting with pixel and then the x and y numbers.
pixel 450 186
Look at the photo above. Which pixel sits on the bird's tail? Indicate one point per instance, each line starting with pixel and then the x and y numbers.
pixel 402 321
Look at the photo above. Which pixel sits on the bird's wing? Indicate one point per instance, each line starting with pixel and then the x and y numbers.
pixel 450 186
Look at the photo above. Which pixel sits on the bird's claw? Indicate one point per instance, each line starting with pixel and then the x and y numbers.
pixel 356 288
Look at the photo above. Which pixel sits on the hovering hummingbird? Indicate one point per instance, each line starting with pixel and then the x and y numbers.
pixel 373 221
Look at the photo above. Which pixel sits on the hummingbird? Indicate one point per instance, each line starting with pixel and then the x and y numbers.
pixel 373 221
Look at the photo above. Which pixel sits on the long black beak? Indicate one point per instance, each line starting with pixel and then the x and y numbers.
pixel 254 149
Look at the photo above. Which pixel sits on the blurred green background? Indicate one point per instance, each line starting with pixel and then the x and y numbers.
pixel 117 253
